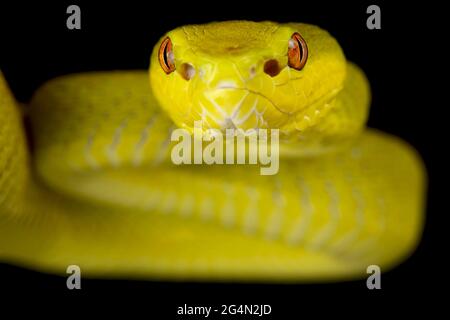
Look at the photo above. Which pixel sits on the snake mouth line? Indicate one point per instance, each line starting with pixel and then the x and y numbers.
pixel 227 121
pixel 257 93
pixel 326 97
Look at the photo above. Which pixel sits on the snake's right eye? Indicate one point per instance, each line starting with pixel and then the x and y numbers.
pixel 297 52
pixel 165 55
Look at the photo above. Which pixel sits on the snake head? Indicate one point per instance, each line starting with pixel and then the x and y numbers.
pixel 247 75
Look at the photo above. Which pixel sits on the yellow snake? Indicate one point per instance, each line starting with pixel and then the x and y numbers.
pixel 99 190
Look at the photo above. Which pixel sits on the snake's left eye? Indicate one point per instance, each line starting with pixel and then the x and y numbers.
pixel 297 52
pixel 165 55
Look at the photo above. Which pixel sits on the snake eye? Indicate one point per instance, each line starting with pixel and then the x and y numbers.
pixel 165 55
pixel 297 52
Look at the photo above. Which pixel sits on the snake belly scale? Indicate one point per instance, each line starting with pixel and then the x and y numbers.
pixel 99 190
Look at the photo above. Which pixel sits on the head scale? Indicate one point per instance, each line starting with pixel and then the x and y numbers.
pixel 246 75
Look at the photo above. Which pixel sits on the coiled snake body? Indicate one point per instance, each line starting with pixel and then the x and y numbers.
pixel 100 191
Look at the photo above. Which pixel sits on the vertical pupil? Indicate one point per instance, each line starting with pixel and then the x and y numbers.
pixel 300 49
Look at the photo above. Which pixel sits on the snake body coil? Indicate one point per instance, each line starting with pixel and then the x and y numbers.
pixel 99 189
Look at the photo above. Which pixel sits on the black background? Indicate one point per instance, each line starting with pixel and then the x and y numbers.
pixel 36 46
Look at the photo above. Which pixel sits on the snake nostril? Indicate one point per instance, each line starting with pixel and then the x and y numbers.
pixel 271 67
pixel 252 72
pixel 187 71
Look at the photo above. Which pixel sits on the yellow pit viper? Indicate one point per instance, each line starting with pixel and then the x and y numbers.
pixel 99 189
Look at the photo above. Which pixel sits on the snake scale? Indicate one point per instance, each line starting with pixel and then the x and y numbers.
pixel 98 188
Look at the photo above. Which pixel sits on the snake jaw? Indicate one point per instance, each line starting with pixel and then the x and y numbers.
pixel 230 107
